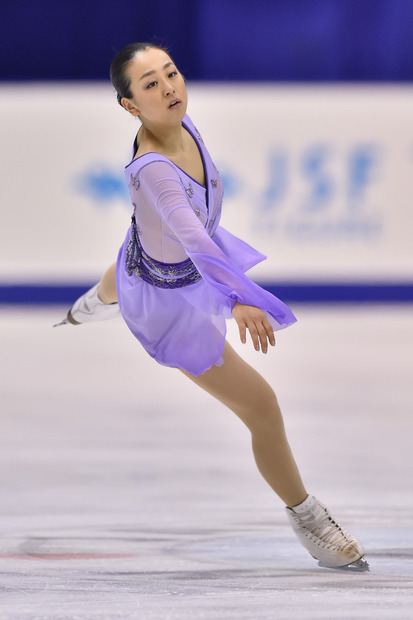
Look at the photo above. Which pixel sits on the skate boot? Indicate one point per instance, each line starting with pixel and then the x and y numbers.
pixel 89 308
pixel 326 541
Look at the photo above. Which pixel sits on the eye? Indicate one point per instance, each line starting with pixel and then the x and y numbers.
pixel 151 85
pixel 173 74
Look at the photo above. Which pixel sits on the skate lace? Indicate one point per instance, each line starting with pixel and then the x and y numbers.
pixel 321 528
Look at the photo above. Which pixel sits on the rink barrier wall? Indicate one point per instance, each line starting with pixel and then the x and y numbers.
pixel 290 292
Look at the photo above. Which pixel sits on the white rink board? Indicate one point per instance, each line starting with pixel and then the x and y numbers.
pixel 318 178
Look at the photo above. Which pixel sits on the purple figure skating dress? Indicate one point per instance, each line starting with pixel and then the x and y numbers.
pixel 178 272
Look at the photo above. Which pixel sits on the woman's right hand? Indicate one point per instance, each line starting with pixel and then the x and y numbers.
pixel 254 320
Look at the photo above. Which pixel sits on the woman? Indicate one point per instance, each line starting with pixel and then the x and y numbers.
pixel 179 276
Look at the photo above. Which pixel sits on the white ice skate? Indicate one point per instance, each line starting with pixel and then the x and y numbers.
pixel 326 541
pixel 89 308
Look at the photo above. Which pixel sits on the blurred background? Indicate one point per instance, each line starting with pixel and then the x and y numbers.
pixel 126 491
pixel 306 108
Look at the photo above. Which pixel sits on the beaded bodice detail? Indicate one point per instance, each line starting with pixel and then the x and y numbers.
pixel 161 275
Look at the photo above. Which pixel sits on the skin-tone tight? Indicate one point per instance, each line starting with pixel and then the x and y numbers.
pixel 107 286
pixel 238 386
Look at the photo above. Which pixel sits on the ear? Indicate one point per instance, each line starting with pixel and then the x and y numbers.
pixel 130 106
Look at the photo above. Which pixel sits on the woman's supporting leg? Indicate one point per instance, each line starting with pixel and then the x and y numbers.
pixel 245 392
pixel 238 386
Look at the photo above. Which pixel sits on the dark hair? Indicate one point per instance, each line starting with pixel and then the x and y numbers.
pixel 119 65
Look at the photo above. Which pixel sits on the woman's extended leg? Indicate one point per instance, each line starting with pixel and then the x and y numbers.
pixel 238 386
pixel 98 303
pixel 107 286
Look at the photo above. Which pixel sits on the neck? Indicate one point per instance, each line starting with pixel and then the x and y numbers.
pixel 162 139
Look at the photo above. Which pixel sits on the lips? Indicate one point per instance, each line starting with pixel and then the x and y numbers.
pixel 174 102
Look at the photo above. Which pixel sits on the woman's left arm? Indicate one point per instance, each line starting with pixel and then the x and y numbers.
pixel 254 320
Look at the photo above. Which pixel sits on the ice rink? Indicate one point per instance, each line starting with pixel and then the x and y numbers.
pixel 126 492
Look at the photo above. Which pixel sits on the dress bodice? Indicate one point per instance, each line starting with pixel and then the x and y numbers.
pixel 158 187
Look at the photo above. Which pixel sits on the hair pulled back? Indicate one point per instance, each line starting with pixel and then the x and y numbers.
pixel 119 64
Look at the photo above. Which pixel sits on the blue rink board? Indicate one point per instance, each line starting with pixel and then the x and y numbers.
pixel 290 292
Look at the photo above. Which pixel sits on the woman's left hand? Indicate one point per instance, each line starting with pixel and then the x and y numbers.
pixel 254 320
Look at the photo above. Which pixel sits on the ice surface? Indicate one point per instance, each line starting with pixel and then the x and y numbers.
pixel 126 492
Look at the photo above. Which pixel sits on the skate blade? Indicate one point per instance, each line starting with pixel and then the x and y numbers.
pixel 359 566
pixel 64 322
pixel 68 320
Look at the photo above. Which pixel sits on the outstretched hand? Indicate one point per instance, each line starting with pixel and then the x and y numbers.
pixel 254 320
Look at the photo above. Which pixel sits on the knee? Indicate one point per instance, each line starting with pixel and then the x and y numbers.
pixel 262 414
pixel 268 416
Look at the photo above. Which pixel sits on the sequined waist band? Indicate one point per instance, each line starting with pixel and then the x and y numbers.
pixel 161 275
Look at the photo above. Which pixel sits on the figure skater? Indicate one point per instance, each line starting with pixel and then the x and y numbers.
pixel 179 276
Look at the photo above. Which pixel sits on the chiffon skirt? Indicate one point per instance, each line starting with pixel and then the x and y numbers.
pixel 186 327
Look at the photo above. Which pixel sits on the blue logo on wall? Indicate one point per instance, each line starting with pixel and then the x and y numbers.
pixel 333 201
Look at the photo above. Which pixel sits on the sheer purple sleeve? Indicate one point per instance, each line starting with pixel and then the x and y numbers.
pixel 162 185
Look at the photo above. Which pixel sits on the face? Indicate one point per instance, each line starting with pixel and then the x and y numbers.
pixel 158 89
